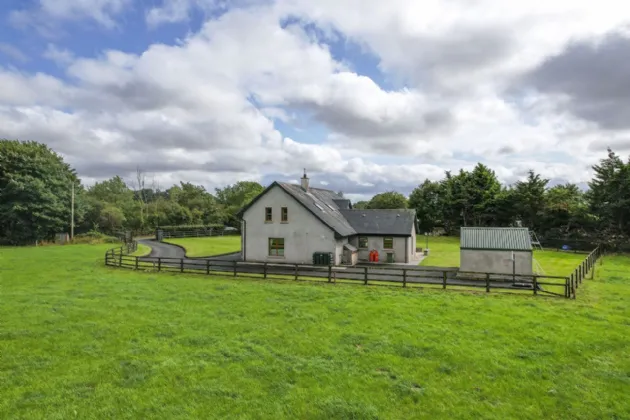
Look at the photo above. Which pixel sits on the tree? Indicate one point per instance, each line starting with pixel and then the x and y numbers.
pixel 35 190
pixel 388 200
pixel 111 218
pixel 235 197
pixel 360 205
pixel 426 200
pixel 483 188
pixel 609 195
pixel 567 210
pixel 529 200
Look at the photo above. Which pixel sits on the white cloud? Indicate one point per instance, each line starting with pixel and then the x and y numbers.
pixel 204 110
pixel 13 52
pixel 44 14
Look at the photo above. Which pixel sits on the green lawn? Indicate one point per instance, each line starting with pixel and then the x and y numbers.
pixel 443 251
pixel 205 247
pixel 142 251
pixel 78 340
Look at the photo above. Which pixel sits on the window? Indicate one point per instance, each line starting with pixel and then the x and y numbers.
pixel 284 214
pixel 276 247
pixel 268 214
pixel 319 207
pixel 363 242
pixel 388 242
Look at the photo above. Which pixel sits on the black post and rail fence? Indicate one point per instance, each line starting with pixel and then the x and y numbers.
pixel 379 275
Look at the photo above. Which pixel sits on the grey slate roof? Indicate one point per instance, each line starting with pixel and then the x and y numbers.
pixel 321 203
pixel 334 211
pixel 509 239
pixel 381 222
pixel 342 203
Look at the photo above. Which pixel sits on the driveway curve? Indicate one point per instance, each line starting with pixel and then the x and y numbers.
pixel 163 250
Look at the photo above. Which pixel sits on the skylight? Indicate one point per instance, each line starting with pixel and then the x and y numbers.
pixel 331 207
pixel 319 207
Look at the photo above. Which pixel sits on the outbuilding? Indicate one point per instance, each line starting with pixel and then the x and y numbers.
pixel 496 250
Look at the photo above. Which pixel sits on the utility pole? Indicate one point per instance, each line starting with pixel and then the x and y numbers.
pixel 72 214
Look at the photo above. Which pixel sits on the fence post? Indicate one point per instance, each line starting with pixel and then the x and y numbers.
pixel 573 287
pixel 207 267
pixel 443 279
pixel 404 277
pixel 488 282
pixel 329 273
pixel 159 264
pixel 181 265
pixel 120 258
pixel 296 272
pixel 535 285
pixel 136 263
pixel 365 275
pixel 566 287
pixel 234 268
pixel 265 270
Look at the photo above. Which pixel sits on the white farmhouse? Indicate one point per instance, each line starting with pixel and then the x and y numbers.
pixel 290 223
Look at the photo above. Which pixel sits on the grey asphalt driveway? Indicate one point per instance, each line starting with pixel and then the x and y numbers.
pixel 163 250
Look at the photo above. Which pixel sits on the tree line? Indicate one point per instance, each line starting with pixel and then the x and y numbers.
pixel 36 187
pixel 476 198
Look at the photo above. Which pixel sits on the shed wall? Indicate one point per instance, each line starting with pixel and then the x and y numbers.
pixel 500 262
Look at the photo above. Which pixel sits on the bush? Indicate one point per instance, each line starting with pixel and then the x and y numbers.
pixel 94 237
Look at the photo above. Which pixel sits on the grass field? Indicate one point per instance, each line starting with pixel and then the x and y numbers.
pixel 78 340
pixel 206 247
pixel 142 251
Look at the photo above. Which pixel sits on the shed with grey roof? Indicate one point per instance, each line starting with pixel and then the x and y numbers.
pixel 496 250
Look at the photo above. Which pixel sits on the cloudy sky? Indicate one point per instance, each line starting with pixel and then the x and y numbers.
pixel 368 95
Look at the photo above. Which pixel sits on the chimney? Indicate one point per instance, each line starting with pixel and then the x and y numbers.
pixel 304 181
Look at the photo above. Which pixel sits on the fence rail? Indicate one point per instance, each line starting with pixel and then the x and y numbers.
pixel 411 276
pixel 581 271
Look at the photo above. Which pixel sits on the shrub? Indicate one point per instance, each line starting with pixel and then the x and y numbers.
pixel 94 237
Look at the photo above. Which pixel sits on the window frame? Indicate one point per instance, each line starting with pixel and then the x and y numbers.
pixel 366 242
pixel 268 214
pixel 385 238
pixel 275 247
pixel 284 214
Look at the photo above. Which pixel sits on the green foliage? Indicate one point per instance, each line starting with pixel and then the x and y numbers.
pixel 80 340
pixel 94 237
pixel 426 200
pixel 388 200
pixel 360 205
pixel 235 197
pixel 529 200
pixel 609 196
pixel 35 192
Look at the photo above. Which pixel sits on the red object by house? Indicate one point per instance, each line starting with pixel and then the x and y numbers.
pixel 375 256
